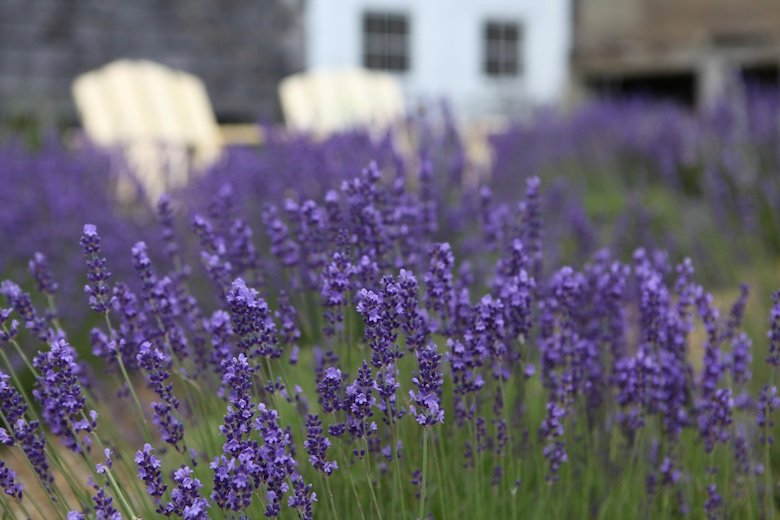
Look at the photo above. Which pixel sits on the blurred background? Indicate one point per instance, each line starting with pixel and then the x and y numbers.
pixel 495 57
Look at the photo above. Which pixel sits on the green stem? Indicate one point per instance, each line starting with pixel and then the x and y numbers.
pixel 330 496
pixel 141 414
pixel 438 464
pixel 398 478
pixel 110 475
pixel 424 466
pixel 354 488
pixel 22 354
pixel 24 509
pixel 6 508
pixel 371 481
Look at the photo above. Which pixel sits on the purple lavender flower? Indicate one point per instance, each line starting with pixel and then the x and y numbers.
pixel 768 402
pixel 336 283
pixel 716 417
pixel 288 316
pixel 237 379
pixel 302 498
pixel 552 429
pixel 104 505
pixel 426 407
pixel 464 366
pixel 39 268
pixel 20 301
pixel 221 330
pixel 774 331
pixel 439 286
pixel 186 501
pixel 669 474
pixel 359 402
pixel 238 471
pixel 102 468
pixel 12 404
pixel 741 359
pixel 133 326
pixel 165 218
pixel 737 312
pixel 329 390
pixel 309 228
pixel 7 332
pixel 714 503
pixel 8 482
pixel 97 274
pixel 33 442
pixel 282 245
pixel 149 472
pixel 532 225
pixel 275 458
pixel 555 453
pixel 413 318
pixel 380 314
pixel 157 366
pixel 714 366
pixel 213 254
pixel 241 252
pixel 58 391
pixel 741 452
pixel 252 321
pixel 317 445
pixel 387 386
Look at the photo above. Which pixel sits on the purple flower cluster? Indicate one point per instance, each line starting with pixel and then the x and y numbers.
pixel 252 321
pixel 614 343
pixel 427 408
pixel 8 482
pixel 186 501
pixel 157 366
pixel 59 393
pixel 148 470
pixel 97 275
pixel 317 445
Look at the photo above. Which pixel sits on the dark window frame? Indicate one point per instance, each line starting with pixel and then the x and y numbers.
pixel 386 41
pixel 502 48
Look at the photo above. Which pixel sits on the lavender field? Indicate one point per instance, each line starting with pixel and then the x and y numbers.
pixel 588 328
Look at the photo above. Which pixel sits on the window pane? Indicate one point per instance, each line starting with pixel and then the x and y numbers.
pixel 386 41
pixel 492 31
pixel 501 48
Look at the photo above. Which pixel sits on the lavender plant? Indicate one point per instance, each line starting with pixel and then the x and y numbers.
pixel 341 354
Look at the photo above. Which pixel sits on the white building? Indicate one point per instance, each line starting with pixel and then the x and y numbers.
pixel 484 56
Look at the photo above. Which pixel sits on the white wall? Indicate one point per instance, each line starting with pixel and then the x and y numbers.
pixel 446 48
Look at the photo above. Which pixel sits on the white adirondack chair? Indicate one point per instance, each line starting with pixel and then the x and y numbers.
pixel 161 118
pixel 325 101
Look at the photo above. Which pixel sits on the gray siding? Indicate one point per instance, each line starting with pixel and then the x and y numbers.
pixel 240 48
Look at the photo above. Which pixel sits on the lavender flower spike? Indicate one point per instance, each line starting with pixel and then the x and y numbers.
pixel 427 400
pixel 59 393
pixel 317 445
pixel 8 482
pixel 185 497
pixel 252 321
pixel 97 274
pixel 44 280
pixel 774 331
pixel 149 472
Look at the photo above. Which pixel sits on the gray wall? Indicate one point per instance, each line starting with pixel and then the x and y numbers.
pixel 240 48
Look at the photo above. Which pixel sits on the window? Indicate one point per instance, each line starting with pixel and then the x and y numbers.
pixel 386 42
pixel 502 44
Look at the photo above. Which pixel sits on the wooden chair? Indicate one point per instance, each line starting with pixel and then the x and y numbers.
pixel 326 101
pixel 161 118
